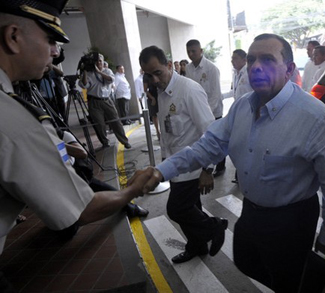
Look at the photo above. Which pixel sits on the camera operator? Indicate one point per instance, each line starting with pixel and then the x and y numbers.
pixel 98 82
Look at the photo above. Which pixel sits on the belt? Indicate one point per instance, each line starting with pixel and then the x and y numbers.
pixel 96 98
pixel 292 205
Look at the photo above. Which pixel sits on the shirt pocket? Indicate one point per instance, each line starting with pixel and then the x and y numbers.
pixel 277 169
pixel 205 83
pixel 177 125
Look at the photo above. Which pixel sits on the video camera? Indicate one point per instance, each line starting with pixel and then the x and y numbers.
pixel 71 80
pixel 88 62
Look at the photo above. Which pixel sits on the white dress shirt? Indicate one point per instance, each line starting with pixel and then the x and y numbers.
pixel 208 76
pixel 307 78
pixel 319 72
pixel 184 104
pixel 241 83
pixel 122 86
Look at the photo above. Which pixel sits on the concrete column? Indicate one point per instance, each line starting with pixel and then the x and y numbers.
pixel 113 29
pixel 179 34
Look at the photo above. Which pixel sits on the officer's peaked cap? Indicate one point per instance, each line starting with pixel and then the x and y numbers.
pixel 45 12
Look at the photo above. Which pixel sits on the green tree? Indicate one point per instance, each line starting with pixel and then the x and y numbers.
pixel 295 20
pixel 210 52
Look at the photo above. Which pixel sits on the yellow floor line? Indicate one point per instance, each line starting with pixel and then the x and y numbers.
pixel 138 233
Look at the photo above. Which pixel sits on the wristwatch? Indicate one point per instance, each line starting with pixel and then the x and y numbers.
pixel 208 170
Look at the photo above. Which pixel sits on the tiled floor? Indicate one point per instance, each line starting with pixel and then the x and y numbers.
pixel 36 260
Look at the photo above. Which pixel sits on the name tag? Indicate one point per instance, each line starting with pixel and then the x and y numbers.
pixel 168 125
pixel 63 152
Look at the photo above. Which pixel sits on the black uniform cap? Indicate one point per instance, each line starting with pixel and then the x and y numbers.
pixel 45 12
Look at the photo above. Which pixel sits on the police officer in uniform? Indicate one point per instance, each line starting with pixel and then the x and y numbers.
pixel 33 159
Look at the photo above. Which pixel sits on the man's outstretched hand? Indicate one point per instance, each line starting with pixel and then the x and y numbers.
pixel 153 175
pixel 206 182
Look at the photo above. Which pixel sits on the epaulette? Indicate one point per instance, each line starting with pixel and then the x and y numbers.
pixel 37 112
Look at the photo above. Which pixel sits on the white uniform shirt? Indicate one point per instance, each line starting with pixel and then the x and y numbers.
pixel 122 86
pixel 208 76
pixel 35 169
pixel 307 78
pixel 185 104
pixel 139 90
pixel 138 83
pixel 319 72
pixel 241 83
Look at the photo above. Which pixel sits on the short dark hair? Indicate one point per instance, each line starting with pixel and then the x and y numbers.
pixel 118 66
pixel 241 53
pixel 321 49
pixel 193 43
pixel 152 51
pixel 286 51
pixel 314 43
pixel 183 61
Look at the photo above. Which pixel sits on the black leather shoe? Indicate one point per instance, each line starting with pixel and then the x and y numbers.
pixel 141 212
pixel 127 146
pixel 136 211
pixel 219 237
pixel 319 246
pixel 186 256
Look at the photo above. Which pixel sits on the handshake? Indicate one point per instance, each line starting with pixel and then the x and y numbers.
pixel 144 181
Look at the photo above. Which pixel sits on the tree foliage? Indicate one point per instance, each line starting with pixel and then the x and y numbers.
pixel 210 52
pixel 295 20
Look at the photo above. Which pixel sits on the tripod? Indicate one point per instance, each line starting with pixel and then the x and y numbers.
pixel 30 93
pixel 80 107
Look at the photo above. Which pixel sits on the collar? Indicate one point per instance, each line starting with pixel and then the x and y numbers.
pixel 5 83
pixel 169 89
pixel 202 62
pixel 242 70
pixel 322 65
pixel 275 105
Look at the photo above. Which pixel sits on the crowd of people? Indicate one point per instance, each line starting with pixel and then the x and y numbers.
pixel 279 157
pixel 274 134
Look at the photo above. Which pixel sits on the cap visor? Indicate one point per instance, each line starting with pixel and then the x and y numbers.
pixel 58 34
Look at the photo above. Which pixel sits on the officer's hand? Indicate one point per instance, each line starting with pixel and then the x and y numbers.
pixel 148 179
pixel 206 182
